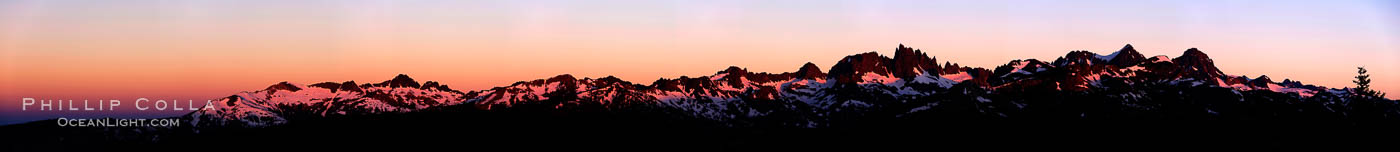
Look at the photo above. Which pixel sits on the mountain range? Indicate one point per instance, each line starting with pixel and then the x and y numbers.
pixel 903 101
pixel 861 88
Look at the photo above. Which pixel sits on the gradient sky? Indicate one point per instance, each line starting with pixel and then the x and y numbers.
pixel 176 49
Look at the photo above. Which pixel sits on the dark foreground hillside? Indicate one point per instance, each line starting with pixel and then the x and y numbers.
pixel 469 129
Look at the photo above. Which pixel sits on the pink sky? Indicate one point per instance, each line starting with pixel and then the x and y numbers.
pixel 204 50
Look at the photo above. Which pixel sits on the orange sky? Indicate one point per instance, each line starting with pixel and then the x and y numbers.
pixel 204 50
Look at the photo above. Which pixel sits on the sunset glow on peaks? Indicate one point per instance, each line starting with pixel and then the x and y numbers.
pixel 201 50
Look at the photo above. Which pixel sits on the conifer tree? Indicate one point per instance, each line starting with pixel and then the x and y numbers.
pixel 1363 84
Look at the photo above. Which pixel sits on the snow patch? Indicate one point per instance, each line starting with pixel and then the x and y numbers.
pixel 1161 58
pixel 871 77
pixel 1109 56
pixel 1018 66
pixel 855 103
pixel 959 77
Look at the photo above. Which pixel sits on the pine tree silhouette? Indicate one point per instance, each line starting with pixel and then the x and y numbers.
pixel 1363 84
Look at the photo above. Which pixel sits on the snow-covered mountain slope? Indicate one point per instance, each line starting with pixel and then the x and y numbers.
pixel 278 102
pixel 910 84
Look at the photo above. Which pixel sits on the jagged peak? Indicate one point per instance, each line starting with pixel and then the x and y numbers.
pixel 342 86
pixel 847 70
pixel 1126 57
pixel 901 50
pixel 734 70
pixel 1261 81
pixel 1263 77
pixel 810 65
pixel 561 77
pixel 1295 84
pixel 349 85
pixel 611 78
pixel 561 80
pixel 1085 53
pixel 1196 64
pixel 1078 57
pixel 403 77
pixel 909 62
pixel 951 68
pixel 1194 53
pixel 284 85
pixel 810 71
pixel 400 81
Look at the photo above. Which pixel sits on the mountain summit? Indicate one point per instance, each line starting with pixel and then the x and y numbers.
pixel 1126 57
pixel 400 81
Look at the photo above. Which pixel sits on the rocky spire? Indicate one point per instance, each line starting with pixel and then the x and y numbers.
pixel 909 62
